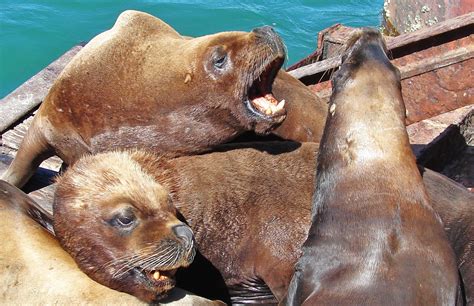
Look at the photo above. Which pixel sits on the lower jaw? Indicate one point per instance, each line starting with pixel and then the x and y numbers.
pixel 269 119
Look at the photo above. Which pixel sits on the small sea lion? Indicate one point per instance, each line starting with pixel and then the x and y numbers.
pixel 35 270
pixel 120 236
pixel 374 238
pixel 221 197
pixel 41 272
pixel 142 84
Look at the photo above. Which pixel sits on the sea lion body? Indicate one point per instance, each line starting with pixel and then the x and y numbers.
pixel 249 206
pixel 141 84
pixel 226 203
pixel 374 237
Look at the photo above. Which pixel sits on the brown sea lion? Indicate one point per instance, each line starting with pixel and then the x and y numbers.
pixel 142 84
pixel 455 205
pixel 40 272
pixel 374 238
pixel 222 198
pixel 34 268
pixel 306 113
pixel 131 241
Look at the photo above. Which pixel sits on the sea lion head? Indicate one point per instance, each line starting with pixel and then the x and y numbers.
pixel 232 73
pixel 369 78
pixel 120 226
pixel 243 67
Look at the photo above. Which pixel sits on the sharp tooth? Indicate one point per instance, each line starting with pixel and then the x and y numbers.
pixel 280 105
pixel 156 275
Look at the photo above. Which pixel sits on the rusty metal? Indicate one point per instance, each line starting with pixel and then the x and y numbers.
pixel 401 16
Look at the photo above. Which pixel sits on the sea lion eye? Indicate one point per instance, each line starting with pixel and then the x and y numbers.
pixel 219 57
pixel 220 61
pixel 124 219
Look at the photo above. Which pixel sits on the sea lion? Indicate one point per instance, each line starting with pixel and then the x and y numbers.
pixel 222 198
pixel 374 238
pixel 455 205
pixel 142 84
pixel 40 272
pixel 35 269
pixel 132 242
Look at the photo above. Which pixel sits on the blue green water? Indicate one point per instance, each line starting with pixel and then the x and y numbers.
pixel 34 33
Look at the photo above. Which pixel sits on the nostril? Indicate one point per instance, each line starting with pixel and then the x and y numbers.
pixel 185 233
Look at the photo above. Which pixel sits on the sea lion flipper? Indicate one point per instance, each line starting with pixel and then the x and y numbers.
pixel 18 200
pixel 33 150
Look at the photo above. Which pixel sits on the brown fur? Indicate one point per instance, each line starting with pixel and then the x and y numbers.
pixel 249 210
pixel 306 113
pixel 35 270
pixel 141 84
pixel 223 199
pixel 118 234
pixel 455 205
pixel 374 237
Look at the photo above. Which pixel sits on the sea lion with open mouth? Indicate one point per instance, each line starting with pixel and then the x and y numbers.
pixel 142 84
pixel 374 238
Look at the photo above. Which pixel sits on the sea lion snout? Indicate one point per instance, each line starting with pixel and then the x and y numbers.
pixel 365 47
pixel 269 36
pixel 184 233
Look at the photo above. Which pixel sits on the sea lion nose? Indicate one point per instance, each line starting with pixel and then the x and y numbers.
pixel 184 233
pixel 265 30
pixel 268 35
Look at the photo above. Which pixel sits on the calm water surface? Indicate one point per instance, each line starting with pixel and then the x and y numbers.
pixel 34 33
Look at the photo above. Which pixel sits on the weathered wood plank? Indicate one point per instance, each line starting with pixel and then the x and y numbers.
pixel 31 93
pixel 429 64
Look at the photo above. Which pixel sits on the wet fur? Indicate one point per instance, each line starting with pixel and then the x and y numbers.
pixel 374 237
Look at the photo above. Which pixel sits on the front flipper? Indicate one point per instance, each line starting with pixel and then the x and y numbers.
pixel 252 291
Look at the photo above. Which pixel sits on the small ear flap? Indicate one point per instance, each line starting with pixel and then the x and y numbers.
pixel 16 199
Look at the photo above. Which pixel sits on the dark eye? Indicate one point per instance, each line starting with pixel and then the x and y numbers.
pixel 219 62
pixel 124 219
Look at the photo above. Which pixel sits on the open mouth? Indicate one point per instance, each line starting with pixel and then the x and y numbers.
pixel 260 99
pixel 162 280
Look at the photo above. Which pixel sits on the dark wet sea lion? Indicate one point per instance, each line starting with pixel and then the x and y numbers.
pixel 120 236
pixel 374 238
pixel 142 84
